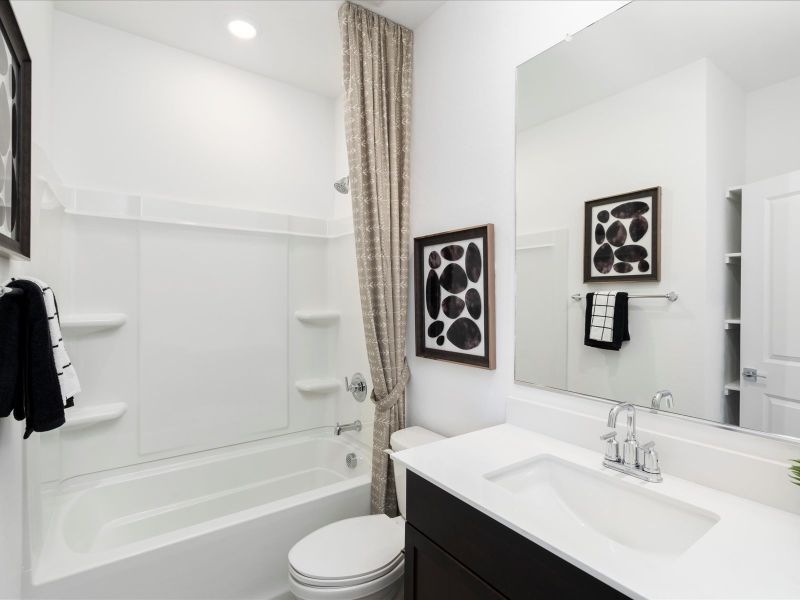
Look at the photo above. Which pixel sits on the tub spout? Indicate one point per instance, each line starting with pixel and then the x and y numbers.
pixel 340 427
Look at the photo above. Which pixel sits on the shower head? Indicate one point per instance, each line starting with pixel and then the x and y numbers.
pixel 342 185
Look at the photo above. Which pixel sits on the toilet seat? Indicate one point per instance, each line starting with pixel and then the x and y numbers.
pixel 349 581
pixel 349 552
pixel 386 587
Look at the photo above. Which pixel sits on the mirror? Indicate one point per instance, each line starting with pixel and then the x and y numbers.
pixel 658 155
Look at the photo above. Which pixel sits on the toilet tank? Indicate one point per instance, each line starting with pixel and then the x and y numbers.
pixel 401 440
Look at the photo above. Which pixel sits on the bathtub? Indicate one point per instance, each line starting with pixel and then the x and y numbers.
pixel 213 525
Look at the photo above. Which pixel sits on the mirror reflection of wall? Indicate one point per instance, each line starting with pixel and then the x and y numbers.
pixel 701 99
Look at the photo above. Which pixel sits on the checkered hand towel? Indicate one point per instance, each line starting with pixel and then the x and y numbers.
pixel 606 320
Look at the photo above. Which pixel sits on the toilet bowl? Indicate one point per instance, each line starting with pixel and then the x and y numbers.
pixel 359 558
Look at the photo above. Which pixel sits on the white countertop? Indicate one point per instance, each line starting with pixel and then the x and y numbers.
pixel 753 551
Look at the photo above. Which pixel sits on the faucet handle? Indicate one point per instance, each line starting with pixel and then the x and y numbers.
pixel 647 457
pixel 612 446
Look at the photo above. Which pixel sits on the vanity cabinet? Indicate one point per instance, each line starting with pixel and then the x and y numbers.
pixel 455 551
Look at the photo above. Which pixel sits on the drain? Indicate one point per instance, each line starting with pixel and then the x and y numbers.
pixel 352 460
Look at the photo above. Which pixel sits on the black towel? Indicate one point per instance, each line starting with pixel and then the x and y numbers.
pixel 10 352
pixel 28 378
pixel 606 324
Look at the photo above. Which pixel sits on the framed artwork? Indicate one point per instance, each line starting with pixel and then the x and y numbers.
pixel 622 237
pixel 15 138
pixel 454 296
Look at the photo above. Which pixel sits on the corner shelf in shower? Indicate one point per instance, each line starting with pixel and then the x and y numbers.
pixel 92 322
pixel 79 417
pixel 324 385
pixel 317 317
pixel 732 323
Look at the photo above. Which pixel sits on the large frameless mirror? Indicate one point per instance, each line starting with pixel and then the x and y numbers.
pixel 658 212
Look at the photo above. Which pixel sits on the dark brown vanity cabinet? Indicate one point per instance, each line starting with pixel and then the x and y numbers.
pixel 454 551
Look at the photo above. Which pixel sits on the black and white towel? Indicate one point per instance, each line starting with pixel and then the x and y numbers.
pixel 67 376
pixel 29 380
pixel 606 320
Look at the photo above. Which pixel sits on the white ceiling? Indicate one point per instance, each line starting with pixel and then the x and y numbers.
pixel 755 43
pixel 297 42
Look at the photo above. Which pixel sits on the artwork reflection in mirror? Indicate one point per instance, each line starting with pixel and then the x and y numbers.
pixel 620 237
pixel 697 106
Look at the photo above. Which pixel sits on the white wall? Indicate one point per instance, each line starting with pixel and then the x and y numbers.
pixel 465 55
pixel 35 20
pixel 135 116
pixel 131 115
pixel 342 207
pixel 773 130
pixel 725 166
pixel 11 514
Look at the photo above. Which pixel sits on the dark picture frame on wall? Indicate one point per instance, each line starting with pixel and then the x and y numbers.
pixel 622 237
pixel 454 296
pixel 15 138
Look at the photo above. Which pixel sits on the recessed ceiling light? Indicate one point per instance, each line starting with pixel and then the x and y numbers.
pixel 242 30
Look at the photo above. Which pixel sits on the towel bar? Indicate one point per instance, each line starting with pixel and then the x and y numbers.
pixel 671 296
pixel 6 291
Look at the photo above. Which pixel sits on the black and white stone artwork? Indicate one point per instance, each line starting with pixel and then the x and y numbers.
pixel 454 296
pixel 621 237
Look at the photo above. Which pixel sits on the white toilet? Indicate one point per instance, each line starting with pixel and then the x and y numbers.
pixel 360 558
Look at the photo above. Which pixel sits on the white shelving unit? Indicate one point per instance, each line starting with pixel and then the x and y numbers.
pixel 733 386
pixel 733 293
pixel 324 385
pixel 733 258
pixel 80 417
pixel 732 323
pixel 92 322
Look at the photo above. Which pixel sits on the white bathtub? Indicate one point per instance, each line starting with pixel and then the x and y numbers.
pixel 216 525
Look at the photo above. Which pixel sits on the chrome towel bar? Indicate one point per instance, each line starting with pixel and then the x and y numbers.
pixel 671 296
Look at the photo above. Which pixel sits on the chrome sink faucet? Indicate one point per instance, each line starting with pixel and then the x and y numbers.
pixel 636 460
pixel 662 397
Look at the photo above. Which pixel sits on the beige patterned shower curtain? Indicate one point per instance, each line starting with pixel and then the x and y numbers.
pixel 377 56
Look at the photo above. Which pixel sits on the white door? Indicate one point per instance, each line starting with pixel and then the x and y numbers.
pixel 770 328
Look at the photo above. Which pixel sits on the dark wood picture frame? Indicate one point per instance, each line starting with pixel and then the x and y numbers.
pixel 486 232
pixel 654 257
pixel 19 246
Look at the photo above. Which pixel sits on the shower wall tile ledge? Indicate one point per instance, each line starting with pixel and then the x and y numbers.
pixel 318 317
pixel 80 417
pixel 324 385
pixel 92 322
pixel 132 207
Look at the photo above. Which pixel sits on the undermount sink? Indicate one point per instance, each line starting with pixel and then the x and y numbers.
pixel 562 493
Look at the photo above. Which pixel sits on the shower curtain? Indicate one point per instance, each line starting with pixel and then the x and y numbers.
pixel 377 56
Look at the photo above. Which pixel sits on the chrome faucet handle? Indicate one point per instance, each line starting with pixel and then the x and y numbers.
pixel 649 459
pixel 642 450
pixel 357 386
pixel 611 451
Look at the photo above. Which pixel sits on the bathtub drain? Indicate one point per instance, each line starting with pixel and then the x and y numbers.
pixel 352 460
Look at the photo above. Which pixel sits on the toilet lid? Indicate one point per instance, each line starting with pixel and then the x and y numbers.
pixel 349 549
